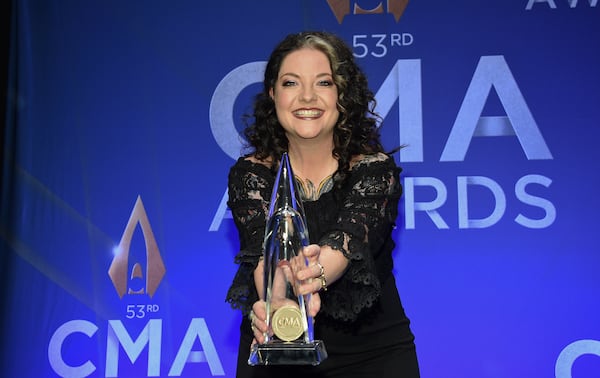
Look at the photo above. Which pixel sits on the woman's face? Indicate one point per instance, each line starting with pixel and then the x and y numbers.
pixel 305 96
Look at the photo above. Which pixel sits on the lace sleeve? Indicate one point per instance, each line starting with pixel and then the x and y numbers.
pixel 249 187
pixel 363 234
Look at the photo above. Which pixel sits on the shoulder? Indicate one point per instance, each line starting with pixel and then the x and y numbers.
pixel 251 163
pixel 378 159
pixel 268 162
pixel 374 173
pixel 250 168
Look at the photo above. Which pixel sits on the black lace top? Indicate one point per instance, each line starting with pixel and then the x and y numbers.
pixel 356 219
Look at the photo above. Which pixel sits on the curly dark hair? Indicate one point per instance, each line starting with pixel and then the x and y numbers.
pixel 356 130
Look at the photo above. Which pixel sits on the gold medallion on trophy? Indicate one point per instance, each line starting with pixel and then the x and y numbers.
pixel 287 323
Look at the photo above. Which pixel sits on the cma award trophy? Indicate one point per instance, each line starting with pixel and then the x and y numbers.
pixel 289 340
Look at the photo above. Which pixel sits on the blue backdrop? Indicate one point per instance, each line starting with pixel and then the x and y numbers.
pixel 123 122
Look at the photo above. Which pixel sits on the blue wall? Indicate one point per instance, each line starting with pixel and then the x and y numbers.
pixel 127 114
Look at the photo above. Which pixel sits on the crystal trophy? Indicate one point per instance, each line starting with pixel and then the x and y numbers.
pixel 289 340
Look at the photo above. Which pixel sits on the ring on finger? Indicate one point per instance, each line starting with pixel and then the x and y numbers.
pixel 322 277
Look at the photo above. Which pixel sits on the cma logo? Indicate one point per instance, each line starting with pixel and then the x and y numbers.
pixel 149 338
pixel 552 3
pixel 134 281
pixel 119 268
pixel 341 8
pixel 403 86
pixel 402 90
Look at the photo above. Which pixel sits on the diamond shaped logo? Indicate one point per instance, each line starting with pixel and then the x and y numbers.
pixel 341 8
pixel 119 272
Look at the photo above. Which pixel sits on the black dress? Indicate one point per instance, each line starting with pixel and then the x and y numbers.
pixel 362 322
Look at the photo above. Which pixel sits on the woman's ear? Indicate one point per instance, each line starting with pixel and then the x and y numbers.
pixel 271 93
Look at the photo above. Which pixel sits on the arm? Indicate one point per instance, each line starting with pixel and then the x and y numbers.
pixel 249 188
pixel 362 235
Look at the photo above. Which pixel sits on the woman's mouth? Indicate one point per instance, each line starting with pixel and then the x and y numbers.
pixel 308 113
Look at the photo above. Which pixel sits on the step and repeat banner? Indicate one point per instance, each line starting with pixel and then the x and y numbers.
pixel 125 117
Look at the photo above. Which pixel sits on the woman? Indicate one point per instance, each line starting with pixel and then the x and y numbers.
pixel 317 107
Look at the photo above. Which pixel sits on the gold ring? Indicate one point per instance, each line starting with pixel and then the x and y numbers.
pixel 322 277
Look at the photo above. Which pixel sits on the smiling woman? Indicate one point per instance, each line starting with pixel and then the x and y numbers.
pixel 350 188
pixel 305 98
pixel 497 257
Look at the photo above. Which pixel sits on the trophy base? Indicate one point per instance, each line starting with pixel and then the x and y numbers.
pixel 288 353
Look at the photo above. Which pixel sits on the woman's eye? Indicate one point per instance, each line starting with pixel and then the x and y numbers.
pixel 288 83
pixel 325 83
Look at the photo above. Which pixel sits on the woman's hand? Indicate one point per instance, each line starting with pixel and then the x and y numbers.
pixel 258 316
pixel 312 278
pixel 309 280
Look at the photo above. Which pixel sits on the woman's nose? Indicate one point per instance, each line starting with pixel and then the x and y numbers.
pixel 308 94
